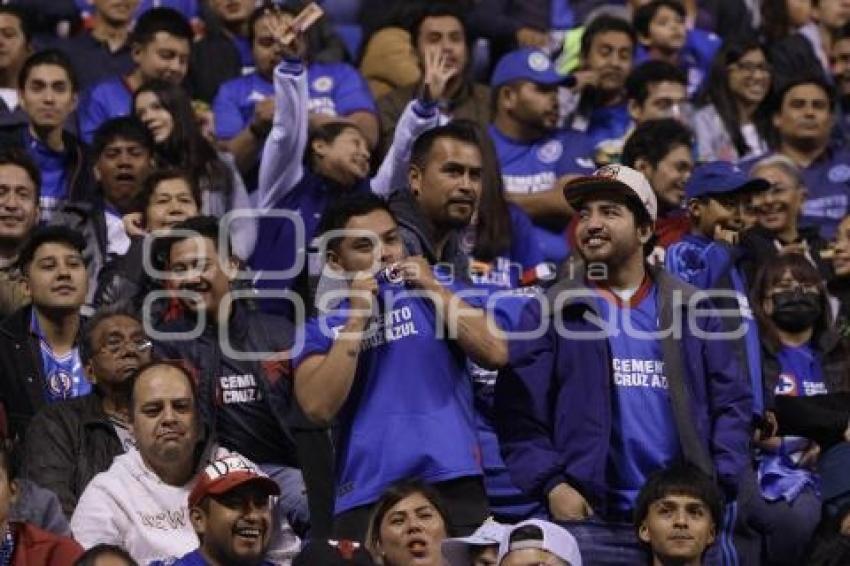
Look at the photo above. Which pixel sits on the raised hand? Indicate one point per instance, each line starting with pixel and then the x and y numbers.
pixel 436 74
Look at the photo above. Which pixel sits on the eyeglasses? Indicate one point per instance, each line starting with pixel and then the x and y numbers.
pixel 748 68
pixel 115 344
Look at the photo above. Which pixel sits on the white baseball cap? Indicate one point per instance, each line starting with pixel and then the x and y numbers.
pixel 625 180
pixel 456 550
pixel 556 540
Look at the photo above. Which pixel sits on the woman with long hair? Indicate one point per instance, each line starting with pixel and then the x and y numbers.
pixel 733 120
pixel 803 357
pixel 166 111
pixel 407 526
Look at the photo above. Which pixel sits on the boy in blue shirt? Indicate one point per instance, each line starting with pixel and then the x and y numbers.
pixel 379 365
pixel 536 159
pixel 159 46
pixel 663 35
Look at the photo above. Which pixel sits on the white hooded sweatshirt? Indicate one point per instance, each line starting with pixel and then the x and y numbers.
pixel 128 505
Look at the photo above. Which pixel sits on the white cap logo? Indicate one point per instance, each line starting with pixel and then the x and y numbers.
pixel 538 61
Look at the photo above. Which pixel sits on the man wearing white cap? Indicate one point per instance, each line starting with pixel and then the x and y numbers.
pixel 481 548
pixel 630 374
pixel 535 542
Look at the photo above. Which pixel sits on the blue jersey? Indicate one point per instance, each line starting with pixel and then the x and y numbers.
pixel 194 558
pixel 827 179
pixel 334 88
pixel 109 99
pixel 800 374
pixel 411 393
pixel 189 8
pixel 53 166
pixel 529 168
pixel 63 375
pixel 644 437
pixel 605 123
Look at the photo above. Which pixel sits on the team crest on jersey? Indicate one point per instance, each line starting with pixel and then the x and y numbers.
pixel 323 84
pixel 538 61
pixel 59 383
pixel 550 151
pixel 839 173
pixel 608 171
pixel 786 385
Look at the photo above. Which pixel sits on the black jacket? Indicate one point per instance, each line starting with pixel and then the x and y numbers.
pixel 759 247
pixel 249 405
pixel 21 372
pixel 81 185
pixel 66 445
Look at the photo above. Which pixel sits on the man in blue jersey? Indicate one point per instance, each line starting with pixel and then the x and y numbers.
pixel 159 46
pixel 628 374
pixel 48 96
pixel 39 359
pixel 379 364
pixel 803 121
pixel 244 106
pixel 536 160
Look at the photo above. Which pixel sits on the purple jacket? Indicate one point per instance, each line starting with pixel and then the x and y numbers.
pixel 553 400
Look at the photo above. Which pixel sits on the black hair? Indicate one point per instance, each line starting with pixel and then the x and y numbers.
pixel 186 147
pixel 493 229
pixel 158 20
pixel 716 91
pixel 644 15
pixel 604 24
pixel 649 73
pixel 526 532
pixel 438 10
pixel 86 347
pixel 813 78
pixel 203 226
pixel 51 234
pixel 153 180
pixel 20 158
pixel 776 21
pixel 463 131
pixel 841 34
pixel 179 365
pixel 654 139
pixel 53 57
pixel 90 556
pixel 124 127
pixel 341 210
pixel 392 496
pixel 23 17
pixel 679 479
pixel 327 133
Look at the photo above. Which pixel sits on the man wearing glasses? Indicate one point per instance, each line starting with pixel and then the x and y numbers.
pixel 70 442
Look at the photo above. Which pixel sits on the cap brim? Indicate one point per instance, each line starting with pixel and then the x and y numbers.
pixel 579 190
pixel 228 484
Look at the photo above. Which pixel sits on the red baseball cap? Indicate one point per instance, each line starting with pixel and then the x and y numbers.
pixel 227 473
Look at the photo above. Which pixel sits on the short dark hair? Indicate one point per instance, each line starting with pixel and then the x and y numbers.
pixel 463 131
pixel 158 20
pixel 644 15
pixel 654 139
pixel 603 24
pixel 437 10
pixel 48 57
pixel 813 78
pixel 679 479
pixel 23 17
pixel 124 127
pixel 203 226
pixel 327 133
pixel 341 210
pixel 179 365
pixel 157 176
pixel 90 556
pixel 86 346
pixel 51 234
pixel 652 72
pixel 392 496
pixel 20 158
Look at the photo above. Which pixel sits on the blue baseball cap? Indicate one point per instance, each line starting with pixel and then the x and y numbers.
pixel 721 177
pixel 530 65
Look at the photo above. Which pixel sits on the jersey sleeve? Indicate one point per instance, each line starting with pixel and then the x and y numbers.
pixel 312 338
